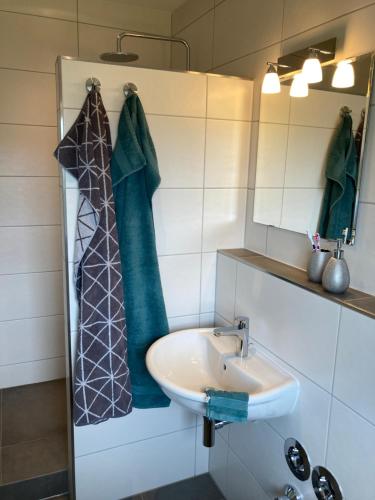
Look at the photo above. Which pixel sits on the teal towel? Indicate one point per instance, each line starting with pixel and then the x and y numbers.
pixel 224 405
pixel 340 192
pixel 135 178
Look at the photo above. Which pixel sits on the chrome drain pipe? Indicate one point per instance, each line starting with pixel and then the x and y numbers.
pixel 209 427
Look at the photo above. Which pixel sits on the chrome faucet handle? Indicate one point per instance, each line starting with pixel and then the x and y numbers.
pixel 242 322
pixel 290 493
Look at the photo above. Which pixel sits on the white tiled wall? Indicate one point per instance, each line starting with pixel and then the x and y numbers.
pixel 31 326
pixel 329 350
pixel 199 207
pixel 244 36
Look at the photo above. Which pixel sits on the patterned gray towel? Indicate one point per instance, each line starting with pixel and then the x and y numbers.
pixel 101 378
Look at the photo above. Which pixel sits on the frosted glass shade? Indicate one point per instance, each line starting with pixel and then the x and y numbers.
pixel 299 86
pixel 271 83
pixel 312 70
pixel 344 75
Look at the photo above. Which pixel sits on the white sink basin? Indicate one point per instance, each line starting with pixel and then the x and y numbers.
pixel 184 363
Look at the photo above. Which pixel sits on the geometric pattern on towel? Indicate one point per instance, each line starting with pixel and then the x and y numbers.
pixel 101 374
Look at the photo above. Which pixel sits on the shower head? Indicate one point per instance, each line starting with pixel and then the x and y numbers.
pixel 119 57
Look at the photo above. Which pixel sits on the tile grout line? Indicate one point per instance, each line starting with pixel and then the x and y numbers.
pixel 156 436
pixel 31 318
pixel 203 196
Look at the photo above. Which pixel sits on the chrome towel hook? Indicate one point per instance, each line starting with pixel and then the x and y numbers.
pixel 93 84
pixel 130 89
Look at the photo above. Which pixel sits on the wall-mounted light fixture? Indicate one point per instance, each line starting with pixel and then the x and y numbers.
pixel 271 81
pixel 312 69
pixel 343 76
pixel 299 87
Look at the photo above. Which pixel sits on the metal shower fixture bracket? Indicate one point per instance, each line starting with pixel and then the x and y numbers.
pixel 151 36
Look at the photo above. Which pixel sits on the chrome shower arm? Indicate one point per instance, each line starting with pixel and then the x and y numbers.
pixel 150 36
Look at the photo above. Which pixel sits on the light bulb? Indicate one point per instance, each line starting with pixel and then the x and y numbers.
pixel 312 70
pixel 271 82
pixel 344 75
pixel 299 86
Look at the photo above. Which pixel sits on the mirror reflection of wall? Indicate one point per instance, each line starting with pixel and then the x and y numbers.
pixel 297 138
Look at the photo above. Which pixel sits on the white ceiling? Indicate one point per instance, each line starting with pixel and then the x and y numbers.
pixel 168 5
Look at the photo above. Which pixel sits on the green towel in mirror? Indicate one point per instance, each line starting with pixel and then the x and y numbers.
pixel 340 192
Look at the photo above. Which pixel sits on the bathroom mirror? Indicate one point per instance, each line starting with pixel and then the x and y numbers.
pixel 299 141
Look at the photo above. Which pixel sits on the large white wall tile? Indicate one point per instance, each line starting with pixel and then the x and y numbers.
pixel 189 12
pixel 225 287
pixel 272 149
pixel 116 13
pixel 300 16
pixel 261 450
pixel 184 94
pixel 95 40
pixel 201 453
pixel 244 27
pixel 308 423
pixel 309 144
pixel 355 368
pixel 207 320
pixel 301 209
pixel 31 339
pixel 227 153
pixel 275 108
pixel 224 218
pixel 199 35
pixel 255 234
pixel 367 187
pixel 288 330
pixel 289 247
pixel 180 275
pixel 32 372
pixel 30 249
pixel 31 295
pixel 350 454
pixel 179 144
pixel 27 150
pixel 42 39
pixel 183 322
pixel 308 111
pixel 177 450
pixel 208 281
pixel 29 201
pixel 268 206
pixel 229 98
pixel 178 220
pixel 241 484
pixel 15 103
pixel 361 256
pixel 71 208
pixel 218 463
pixel 138 425
pixel 61 9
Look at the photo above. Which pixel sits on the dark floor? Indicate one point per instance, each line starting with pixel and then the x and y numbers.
pixel 33 431
pixel 195 488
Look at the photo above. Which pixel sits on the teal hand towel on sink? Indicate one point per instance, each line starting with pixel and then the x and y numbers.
pixel 135 178
pixel 225 405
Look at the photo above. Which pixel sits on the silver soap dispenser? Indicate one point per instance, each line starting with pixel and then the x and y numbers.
pixel 336 277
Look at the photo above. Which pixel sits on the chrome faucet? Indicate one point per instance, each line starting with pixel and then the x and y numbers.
pixel 241 330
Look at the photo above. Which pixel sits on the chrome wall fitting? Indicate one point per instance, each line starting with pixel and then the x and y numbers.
pixel 297 459
pixel 129 89
pixel 325 485
pixel 290 493
pixel 93 84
